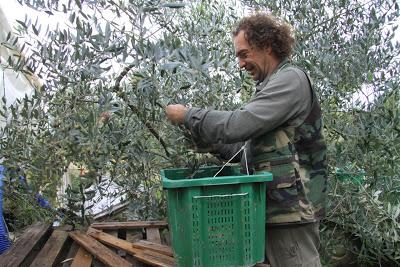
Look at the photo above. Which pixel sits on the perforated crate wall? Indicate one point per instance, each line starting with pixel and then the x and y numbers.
pixel 213 228
pixel 224 241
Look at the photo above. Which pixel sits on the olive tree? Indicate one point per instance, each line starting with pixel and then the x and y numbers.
pixel 107 74
pixel 109 71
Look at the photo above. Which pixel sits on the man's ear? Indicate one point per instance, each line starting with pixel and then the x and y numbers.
pixel 268 50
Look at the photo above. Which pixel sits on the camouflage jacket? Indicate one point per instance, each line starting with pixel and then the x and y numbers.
pixel 282 129
pixel 296 156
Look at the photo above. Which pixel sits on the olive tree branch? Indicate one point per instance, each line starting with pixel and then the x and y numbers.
pixel 135 110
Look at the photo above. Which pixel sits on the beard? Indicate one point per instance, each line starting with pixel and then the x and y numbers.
pixel 255 71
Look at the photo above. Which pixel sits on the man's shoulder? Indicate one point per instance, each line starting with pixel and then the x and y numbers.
pixel 294 72
pixel 286 77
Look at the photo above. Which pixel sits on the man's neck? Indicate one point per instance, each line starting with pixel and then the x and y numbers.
pixel 278 64
pixel 275 65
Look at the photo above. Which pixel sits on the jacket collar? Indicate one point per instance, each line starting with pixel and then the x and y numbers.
pixel 281 65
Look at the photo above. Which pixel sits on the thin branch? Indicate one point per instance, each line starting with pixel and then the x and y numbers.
pixel 135 110
pixel 316 27
pixel 337 132
pixel 151 129
pixel 121 76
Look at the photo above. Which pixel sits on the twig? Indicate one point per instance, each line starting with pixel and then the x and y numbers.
pixel 135 110
pixel 330 19
pixel 121 76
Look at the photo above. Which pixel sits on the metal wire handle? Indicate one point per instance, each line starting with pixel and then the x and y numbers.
pixel 245 159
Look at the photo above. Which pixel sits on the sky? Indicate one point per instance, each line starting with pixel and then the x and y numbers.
pixel 15 85
pixel 14 10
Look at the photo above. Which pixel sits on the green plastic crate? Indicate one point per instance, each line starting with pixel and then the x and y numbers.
pixel 216 221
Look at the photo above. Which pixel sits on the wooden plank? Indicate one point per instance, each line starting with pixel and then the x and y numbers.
pixel 132 237
pixel 113 241
pixel 150 257
pixel 151 246
pixel 115 234
pixel 153 235
pixel 82 258
pixel 96 262
pixel 31 239
pixel 155 259
pixel 129 225
pixel 67 261
pixel 98 250
pixel 51 251
pixel 112 232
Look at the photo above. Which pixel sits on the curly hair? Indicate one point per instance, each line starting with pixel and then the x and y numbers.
pixel 263 31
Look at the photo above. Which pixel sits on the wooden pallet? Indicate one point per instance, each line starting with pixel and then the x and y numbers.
pixel 120 244
pixel 136 244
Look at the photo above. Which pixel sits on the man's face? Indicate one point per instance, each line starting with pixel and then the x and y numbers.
pixel 256 61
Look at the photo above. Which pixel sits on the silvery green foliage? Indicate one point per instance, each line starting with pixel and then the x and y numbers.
pixel 108 71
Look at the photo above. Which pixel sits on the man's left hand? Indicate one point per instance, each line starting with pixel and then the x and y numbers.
pixel 176 113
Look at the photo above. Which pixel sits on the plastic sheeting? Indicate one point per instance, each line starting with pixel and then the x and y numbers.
pixel 13 85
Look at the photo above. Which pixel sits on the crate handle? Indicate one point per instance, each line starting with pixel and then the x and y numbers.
pixel 227 195
pixel 245 158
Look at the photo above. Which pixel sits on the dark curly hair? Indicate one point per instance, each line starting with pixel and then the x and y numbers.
pixel 263 31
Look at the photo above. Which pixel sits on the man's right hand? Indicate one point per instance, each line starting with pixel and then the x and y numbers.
pixel 176 113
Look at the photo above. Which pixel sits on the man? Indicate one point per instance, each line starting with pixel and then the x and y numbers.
pixel 281 127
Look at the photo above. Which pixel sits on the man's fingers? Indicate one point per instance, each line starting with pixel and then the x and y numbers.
pixel 175 113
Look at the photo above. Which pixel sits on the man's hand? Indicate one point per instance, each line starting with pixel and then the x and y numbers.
pixel 176 113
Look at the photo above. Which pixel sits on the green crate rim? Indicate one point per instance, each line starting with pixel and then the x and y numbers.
pixel 259 177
